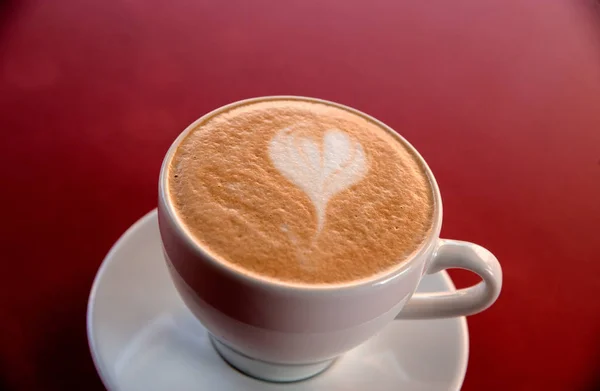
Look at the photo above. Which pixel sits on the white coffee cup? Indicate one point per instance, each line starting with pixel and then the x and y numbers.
pixel 279 332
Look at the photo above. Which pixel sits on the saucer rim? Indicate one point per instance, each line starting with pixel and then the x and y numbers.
pixel 111 384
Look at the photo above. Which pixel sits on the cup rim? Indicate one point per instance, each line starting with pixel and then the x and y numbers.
pixel 378 279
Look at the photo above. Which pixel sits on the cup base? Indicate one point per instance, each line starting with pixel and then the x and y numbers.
pixel 262 370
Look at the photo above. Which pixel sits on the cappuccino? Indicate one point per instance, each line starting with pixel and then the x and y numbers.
pixel 300 191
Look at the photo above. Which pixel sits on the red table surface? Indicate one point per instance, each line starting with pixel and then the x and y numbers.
pixel 501 97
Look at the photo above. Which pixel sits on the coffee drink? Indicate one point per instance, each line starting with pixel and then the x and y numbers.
pixel 300 191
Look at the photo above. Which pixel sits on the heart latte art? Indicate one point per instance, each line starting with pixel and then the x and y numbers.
pixel 300 192
pixel 321 171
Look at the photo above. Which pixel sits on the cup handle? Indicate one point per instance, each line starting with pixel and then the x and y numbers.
pixel 468 301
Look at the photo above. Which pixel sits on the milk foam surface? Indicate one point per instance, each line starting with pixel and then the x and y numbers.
pixel 300 192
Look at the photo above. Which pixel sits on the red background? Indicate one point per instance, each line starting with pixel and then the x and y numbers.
pixel 502 97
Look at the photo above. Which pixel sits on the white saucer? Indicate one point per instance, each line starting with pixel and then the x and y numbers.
pixel 142 337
